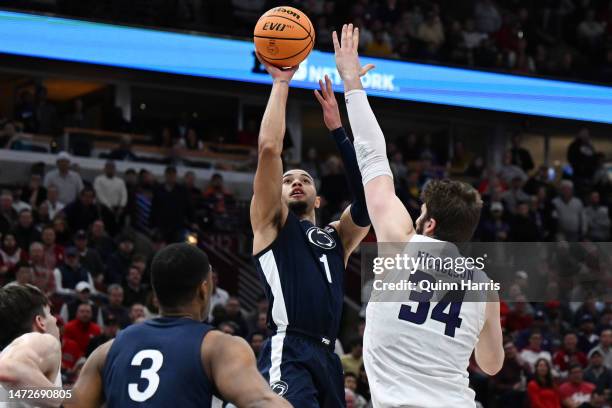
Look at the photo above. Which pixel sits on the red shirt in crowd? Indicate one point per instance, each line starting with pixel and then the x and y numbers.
pixel 70 353
pixel 563 359
pixel 81 333
pixel 578 393
pixel 540 397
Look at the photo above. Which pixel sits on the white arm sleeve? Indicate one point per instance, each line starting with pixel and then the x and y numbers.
pixel 369 139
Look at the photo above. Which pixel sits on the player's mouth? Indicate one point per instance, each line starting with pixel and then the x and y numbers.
pixel 297 193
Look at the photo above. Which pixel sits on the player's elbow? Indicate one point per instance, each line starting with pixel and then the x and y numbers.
pixel 270 149
pixel 492 363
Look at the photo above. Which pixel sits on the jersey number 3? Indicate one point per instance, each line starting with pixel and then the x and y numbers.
pixel 451 319
pixel 149 374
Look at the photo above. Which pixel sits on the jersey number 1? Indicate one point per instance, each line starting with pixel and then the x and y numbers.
pixel 149 374
pixel 323 260
pixel 451 319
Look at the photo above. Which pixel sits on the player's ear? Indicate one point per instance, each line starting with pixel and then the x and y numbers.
pixel 317 202
pixel 39 324
pixel 430 227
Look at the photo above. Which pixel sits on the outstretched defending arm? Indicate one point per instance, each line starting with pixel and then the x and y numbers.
pixel 229 362
pixel 354 223
pixel 390 218
pixel 267 210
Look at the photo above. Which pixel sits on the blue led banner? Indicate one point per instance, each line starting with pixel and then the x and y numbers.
pixel 183 54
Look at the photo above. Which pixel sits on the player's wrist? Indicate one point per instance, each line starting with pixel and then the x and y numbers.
pixel 280 81
pixel 352 83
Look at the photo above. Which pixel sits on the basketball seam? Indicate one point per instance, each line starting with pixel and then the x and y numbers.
pixel 280 38
pixel 296 22
pixel 294 55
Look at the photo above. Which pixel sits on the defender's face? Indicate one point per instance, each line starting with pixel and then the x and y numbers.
pixel 298 187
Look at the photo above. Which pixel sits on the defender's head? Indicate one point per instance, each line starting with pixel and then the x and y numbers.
pixel 450 211
pixel 299 192
pixel 182 279
pixel 24 309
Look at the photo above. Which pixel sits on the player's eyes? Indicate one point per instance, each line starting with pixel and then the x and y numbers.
pixel 306 181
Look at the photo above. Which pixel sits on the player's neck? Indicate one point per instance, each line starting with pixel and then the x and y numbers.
pixel 190 312
pixel 309 217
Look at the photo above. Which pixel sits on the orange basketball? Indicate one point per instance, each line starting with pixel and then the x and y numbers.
pixel 284 36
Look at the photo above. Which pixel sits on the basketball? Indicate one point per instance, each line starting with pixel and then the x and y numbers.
pixel 284 36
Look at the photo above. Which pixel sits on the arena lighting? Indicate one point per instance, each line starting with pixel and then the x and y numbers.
pixel 183 54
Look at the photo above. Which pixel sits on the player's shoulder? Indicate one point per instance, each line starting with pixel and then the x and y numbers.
pixel 36 341
pixel 425 239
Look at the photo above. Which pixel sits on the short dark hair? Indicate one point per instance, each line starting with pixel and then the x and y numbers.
pixel 176 273
pixel 456 208
pixel 19 306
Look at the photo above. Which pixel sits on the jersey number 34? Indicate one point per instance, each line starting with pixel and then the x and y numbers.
pixel 451 319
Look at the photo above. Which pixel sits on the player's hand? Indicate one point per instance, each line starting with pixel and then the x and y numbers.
pixel 347 56
pixel 276 73
pixel 327 99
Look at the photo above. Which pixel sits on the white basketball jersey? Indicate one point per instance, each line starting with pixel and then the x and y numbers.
pixel 420 365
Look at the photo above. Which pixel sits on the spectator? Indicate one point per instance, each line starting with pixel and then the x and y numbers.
pixel 70 349
pixel 599 399
pixel 587 339
pixel 137 313
pixel 34 194
pixel 379 46
pixel 569 355
pixel 539 180
pixel 68 274
pixel 354 359
pixel 171 209
pixel 89 257
pixel 110 190
pixel 124 151
pixel 82 329
pixel 256 341
pixel 522 227
pixel 597 219
pixel 514 195
pixel 100 240
pixel 109 332
pixel 570 213
pixel 495 229
pixel 509 171
pixel 219 296
pixel 533 352
pixel 596 372
pixel 191 141
pixel 10 255
pixel 78 118
pixel 189 181
pixel 581 155
pixel 605 341
pixel 234 314
pixel 81 213
pixel 7 135
pixel 46 113
pixel 8 215
pixel 508 384
pixel 43 275
pixel 25 111
pixel 53 204
pixel 350 383
pixel 63 235
pixel 134 290
pixel 541 390
pixel 68 182
pixel 118 264
pixel 217 197
pixel 431 33
pixel 25 232
pixel 23 274
pixel 589 30
pixel 520 156
pixel 521 316
pixel 115 306
pixel 53 253
pixel 575 391
pixel 83 295
pixel 487 16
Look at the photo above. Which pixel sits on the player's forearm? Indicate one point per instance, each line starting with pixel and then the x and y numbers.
pixel 272 129
pixel 369 139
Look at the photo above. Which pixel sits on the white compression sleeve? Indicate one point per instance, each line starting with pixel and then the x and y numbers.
pixel 369 139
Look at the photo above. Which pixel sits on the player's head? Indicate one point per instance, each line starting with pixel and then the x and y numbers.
pixel 24 309
pixel 450 211
pixel 182 280
pixel 299 192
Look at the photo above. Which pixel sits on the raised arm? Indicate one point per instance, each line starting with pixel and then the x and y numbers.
pixel 267 210
pixel 489 351
pixel 230 363
pixel 354 222
pixel 32 360
pixel 390 218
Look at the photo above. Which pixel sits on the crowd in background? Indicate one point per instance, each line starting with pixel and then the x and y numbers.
pixel 562 38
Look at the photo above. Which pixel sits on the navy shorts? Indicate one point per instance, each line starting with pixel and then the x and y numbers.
pixel 303 371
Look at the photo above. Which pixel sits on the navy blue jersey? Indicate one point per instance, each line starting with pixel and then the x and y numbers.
pixel 158 364
pixel 303 275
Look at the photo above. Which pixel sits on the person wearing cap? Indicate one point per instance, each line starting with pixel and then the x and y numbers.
pixel 69 273
pixel 83 295
pixel 89 257
pixel 596 372
pixel 109 332
pixel 69 183
pixel 82 328
pixel 110 189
